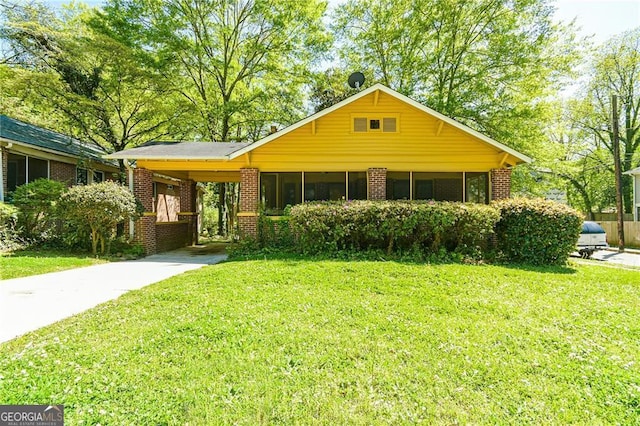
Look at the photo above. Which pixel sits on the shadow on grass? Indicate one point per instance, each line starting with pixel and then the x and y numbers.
pixel 295 258
pixel 47 253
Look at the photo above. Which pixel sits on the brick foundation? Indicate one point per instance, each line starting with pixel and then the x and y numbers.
pixel 377 181
pixel 249 197
pixel 500 184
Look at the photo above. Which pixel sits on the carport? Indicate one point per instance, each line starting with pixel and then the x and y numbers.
pixel 185 164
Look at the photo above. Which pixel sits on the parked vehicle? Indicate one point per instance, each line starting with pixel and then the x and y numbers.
pixel 592 238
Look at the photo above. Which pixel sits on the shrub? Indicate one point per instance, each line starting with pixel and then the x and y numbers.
pixel 36 202
pixel 275 233
pixel 8 234
pixel 98 208
pixel 395 227
pixel 536 231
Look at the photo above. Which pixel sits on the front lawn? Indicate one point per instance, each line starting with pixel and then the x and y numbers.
pixel 334 342
pixel 33 262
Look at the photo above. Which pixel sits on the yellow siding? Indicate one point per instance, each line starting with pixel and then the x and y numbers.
pixel 422 143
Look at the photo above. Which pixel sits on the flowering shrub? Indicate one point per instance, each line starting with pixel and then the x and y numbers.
pixel 392 226
pixel 98 208
pixel 536 231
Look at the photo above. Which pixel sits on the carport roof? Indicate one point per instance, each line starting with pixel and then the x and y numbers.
pixel 180 151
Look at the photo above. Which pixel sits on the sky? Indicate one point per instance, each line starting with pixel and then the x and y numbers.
pixel 601 19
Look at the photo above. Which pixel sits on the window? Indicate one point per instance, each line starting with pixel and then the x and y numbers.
pixel 278 190
pixel 437 186
pixel 325 186
pixel 23 169
pixel 375 124
pixel 16 171
pixel 357 186
pixel 398 186
pixel 477 189
pixel 82 176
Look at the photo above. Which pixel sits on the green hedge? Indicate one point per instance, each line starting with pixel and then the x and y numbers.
pixel 536 231
pixel 392 226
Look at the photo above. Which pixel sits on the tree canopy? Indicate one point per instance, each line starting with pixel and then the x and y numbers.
pixel 129 72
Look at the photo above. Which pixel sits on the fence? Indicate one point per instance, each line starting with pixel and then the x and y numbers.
pixel 631 233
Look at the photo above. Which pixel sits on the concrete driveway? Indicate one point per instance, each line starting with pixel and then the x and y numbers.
pixel 29 303
pixel 628 258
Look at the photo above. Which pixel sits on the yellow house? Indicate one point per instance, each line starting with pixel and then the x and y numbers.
pixel 376 144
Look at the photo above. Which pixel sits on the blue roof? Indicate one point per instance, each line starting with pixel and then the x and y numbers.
pixel 28 134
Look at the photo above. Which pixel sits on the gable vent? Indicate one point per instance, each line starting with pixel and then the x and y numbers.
pixel 389 124
pixel 360 124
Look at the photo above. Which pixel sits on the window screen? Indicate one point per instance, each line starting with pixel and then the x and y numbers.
pixel 38 169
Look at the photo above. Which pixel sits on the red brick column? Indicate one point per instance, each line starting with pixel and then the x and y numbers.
pixel 500 184
pixel 145 227
pixel 62 172
pixel 188 209
pixel 377 183
pixel 249 197
pixel 4 157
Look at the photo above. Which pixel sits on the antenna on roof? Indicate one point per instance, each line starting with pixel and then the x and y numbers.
pixel 356 80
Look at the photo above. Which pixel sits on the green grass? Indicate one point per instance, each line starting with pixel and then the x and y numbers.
pixel 33 262
pixel 334 342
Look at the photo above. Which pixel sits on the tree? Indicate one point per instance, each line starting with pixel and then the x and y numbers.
pixel 615 69
pixel 98 207
pixel 241 65
pixel 101 90
pixel 486 63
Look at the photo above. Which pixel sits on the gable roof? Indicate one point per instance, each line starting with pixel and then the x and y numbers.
pixel 25 134
pixel 181 151
pixel 397 95
pixel 229 151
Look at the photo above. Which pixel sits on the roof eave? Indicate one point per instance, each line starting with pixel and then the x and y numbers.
pixel 116 156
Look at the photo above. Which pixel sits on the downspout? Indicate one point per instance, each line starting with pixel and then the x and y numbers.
pixel 132 230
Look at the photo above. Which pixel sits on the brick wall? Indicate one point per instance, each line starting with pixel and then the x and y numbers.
pixel 62 172
pixel 500 184
pixel 4 157
pixel 249 201
pixel 145 227
pixel 171 235
pixel 377 183
pixel 187 196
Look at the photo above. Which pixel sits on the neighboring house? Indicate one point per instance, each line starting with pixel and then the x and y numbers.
pixel 635 174
pixel 376 144
pixel 29 152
